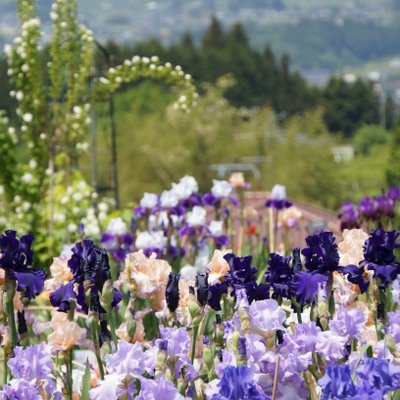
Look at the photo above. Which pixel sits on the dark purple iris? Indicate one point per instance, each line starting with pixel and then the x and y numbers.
pixel 278 204
pixel 172 291
pixel 89 264
pixel 321 255
pixel 257 291
pixel 150 250
pixel 355 275
pixel 279 275
pixel 241 270
pixel 221 241
pixel 379 255
pixel 242 275
pixel 16 259
pixel 216 292
pixel 202 288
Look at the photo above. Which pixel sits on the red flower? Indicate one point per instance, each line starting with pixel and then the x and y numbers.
pixel 251 230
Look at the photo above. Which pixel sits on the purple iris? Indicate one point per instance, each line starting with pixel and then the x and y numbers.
pixel 16 257
pixel 337 383
pixel 355 275
pixel 19 389
pixel 394 193
pixel 348 216
pixel 216 291
pixel 278 204
pixel 385 206
pixel 118 245
pixel 378 375
pixel 202 288
pixel 243 275
pixel 375 378
pixel 379 255
pixel 305 286
pixel 209 199
pixel 321 255
pixel 237 384
pixel 241 270
pixel 321 258
pixel 367 208
pixel 172 291
pixel 279 275
pixel 88 263
pixel 195 199
pixel 278 198
pixel 34 365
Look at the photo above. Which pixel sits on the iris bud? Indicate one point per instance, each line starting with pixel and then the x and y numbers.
pixel 172 291
pixel 202 288
pixel 107 295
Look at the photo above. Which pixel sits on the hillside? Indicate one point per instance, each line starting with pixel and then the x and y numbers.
pixel 317 35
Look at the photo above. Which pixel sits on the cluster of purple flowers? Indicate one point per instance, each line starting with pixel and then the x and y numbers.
pixel 376 209
pixel 321 322
pixel 33 372
pixel 175 223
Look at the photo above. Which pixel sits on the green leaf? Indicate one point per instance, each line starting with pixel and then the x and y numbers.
pixel 208 325
pixel 86 382
pixel 150 323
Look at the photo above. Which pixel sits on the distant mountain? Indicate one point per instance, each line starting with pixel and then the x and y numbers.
pixel 317 34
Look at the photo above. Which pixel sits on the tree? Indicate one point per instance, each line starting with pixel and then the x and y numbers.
pixel 368 136
pixel 348 106
pixel 214 35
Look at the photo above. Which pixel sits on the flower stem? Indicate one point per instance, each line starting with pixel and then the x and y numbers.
pixel 95 333
pixel 298 312
pixel 271 230
pixel 275 386
pixel 194 339
pixel 112 327
pixel 5 369
pixel 11 320
pixel 68 362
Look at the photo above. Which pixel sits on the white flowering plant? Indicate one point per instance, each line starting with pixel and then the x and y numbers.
pixel 40 153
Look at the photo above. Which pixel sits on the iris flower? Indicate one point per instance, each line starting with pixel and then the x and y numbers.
pixel 16 257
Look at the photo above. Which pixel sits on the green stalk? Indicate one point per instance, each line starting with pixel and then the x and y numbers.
pixel 298 311
pixel 95 332
pixel 68 363
pixel 194 338
pixel 11 320
pixel 5 369
pixel 112 327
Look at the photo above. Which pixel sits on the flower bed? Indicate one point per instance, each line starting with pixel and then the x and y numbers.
pixel 174 306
